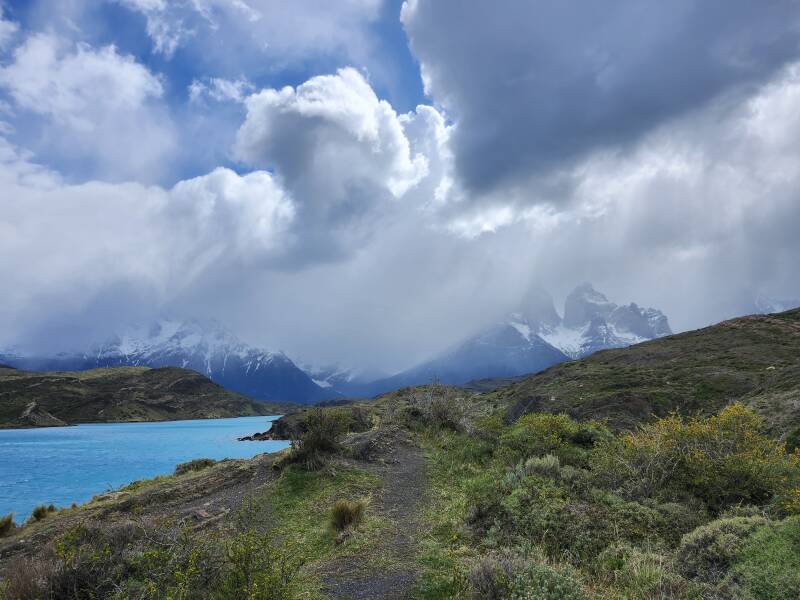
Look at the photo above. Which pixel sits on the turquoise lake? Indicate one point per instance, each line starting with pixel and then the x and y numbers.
pixel 62 465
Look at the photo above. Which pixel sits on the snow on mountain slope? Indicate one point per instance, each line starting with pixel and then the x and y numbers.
pixel 203 346
pixel 537 337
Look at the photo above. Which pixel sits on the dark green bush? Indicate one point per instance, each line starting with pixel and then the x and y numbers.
pixel 346 515
pixel 709 551
pixel 7 525
pixel 198 464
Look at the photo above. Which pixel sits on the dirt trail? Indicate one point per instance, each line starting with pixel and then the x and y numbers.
pixel 354 578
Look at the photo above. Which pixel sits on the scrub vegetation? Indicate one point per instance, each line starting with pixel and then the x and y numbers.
pixel 439 492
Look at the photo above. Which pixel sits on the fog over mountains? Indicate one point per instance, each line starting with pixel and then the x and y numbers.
pixel 526 341
pixel 537 337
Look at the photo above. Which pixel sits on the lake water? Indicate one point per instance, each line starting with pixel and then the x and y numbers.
pixel 62 465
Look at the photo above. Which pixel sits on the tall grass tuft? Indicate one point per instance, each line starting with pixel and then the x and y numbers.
pixel 7 525
pixel 346 515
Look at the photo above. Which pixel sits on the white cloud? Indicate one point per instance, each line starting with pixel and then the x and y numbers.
pixel 75 242
pixel 7 30
pixel 341 152
pixel 284 31
pixel 220 89
pixel 101 105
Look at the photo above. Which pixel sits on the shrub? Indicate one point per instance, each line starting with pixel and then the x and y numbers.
pixel 768 564
pixel 257 569
pixel 722 460
pixel 41 511
pixel 637 574
pixel 7 525
pixel 346 515
pixel 709 551
pixel 491 576
pixel 536 434
pixel 323 427
pixel 198 464
pixel 438 407
pixel 546 466
pixel 541 582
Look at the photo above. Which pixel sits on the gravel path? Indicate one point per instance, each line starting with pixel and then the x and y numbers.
pixel 403 475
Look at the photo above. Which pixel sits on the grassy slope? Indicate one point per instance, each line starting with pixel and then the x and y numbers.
pixel 754 359
pixel 119 394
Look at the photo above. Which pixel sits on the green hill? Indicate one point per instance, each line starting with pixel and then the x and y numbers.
pixel 753 359
pixel 34 399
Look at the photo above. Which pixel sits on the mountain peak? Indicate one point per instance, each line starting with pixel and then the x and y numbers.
pixel 583 304
pixel 538 307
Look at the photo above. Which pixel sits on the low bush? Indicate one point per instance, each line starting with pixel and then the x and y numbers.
pixel 708 552
pixel 127 560
pixel 541 582
pixel 257 569
pixel 7 525
pixel 640 575
pixel 437 406
pixel 198 464
pixel 768 564
pixel 320 436
pixel 346 515
pixel 538 434
pixel 546 466
pixel 490 577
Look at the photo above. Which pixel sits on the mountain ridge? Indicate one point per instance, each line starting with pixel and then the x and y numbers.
pixel 121 394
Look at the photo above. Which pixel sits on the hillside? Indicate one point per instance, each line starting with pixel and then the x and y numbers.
pixel 34 399
pixel 754 359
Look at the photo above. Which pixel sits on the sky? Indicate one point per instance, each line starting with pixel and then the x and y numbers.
pixel 367 182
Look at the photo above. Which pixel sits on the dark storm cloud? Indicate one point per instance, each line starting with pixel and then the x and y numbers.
pixel 535 85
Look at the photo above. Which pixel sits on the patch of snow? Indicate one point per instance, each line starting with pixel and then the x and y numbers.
pixel 523 328
pixel 570 341
pixel 322 383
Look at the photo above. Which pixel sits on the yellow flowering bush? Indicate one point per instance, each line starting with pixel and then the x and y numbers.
pixel 723 460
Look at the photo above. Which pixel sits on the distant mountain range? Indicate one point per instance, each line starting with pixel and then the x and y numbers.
pixel 537 337
pixel 530 340
pixel 203 346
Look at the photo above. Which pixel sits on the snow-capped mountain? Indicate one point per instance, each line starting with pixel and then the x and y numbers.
pixel 203 346
pixel 537 337
pixel 591 323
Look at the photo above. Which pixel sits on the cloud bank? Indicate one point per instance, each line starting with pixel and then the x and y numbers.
pixel 651 149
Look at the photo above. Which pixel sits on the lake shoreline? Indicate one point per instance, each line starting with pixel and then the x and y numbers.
pixel 72 464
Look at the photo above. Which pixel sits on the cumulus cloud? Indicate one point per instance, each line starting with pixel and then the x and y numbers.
pixel 75 242
pixel 97 104
pixel 340 150
pixel 535 86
